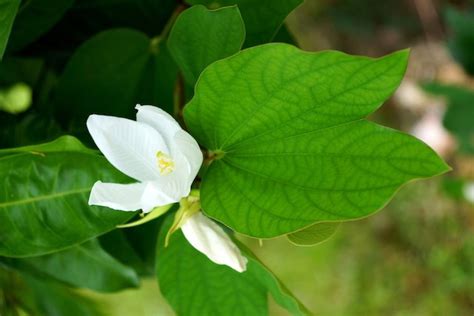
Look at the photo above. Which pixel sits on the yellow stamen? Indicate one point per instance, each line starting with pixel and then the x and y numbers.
pixel 165 163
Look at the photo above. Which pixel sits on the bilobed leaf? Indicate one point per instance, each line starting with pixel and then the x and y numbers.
pixel 86 265
pixel 43 203
pixel 290 143
pixel 8 9
pixel 194 285
pixel 460 113
pixel 313 234
pixel 118 68
pixel 200 37
pixel 262 18
pixel 461 40
pixel 34 19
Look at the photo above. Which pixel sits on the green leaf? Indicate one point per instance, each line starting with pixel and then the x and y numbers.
pixel 34 19
pixel 459 115
pixel 56 300
pixel 63 143
pixel 200 36
pixel 313 234
pixel 262 18
pixel 289 142
pixel 118 68
pixel 461 40
pixel 43 204
pixel 86 265
pixel 8 9
pixel 194 285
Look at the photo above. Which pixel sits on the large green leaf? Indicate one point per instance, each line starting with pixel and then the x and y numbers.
pixel 43 203
pixel 200 37
pixel 112 72
pixel 34 19
pixel 460 113
pixel 194 285
pixel 86 265
pixel 8 9
pixel 289 142
pixel 262 18
pixel 461 40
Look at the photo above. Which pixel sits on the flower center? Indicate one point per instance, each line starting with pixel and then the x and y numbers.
pixel 165 163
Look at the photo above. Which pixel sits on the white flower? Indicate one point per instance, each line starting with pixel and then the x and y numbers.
pixel 164 159
pixel 153 150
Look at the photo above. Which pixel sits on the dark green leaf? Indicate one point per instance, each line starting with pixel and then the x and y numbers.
pixel 460 113
pixel 290 143
pixel 194 285
pixel 200 36
pixel 461 41
pixel 86 265
pixel 43 205
pixel 56 300
pixel 35 18
pixel 262 18
pixel 118 69
pixel 8 9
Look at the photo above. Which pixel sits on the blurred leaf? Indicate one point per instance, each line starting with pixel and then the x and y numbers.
pixel 284 36
pixel 35 17
pixel 262 18
pixel 460 113
pixel 148 16
pixel 56 300
pixel 29 128
pixel 290 143
pixel 194 285
pixel 118 69
pixel 314 234
pixel 20 69
pixel 461 41
pixel 43 206
pixel 8 9
pixel 200 37
pixel 119 247
pixel 86 265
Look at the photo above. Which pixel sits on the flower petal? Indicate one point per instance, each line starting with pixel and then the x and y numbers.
pixel 188 147
pixel 160 120
pixel 123 197
pixel 211 240
pixel 166 190
pixel 178 140
pixel 128 145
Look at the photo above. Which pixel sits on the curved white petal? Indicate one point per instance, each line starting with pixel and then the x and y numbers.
pixel 189 148
pixel 128 145
pixel 160 120
pixel 178 140
pixel 123 197
pixel 167 190
pixel 210 239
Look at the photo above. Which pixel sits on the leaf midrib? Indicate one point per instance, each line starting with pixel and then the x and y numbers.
pixel 44 197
